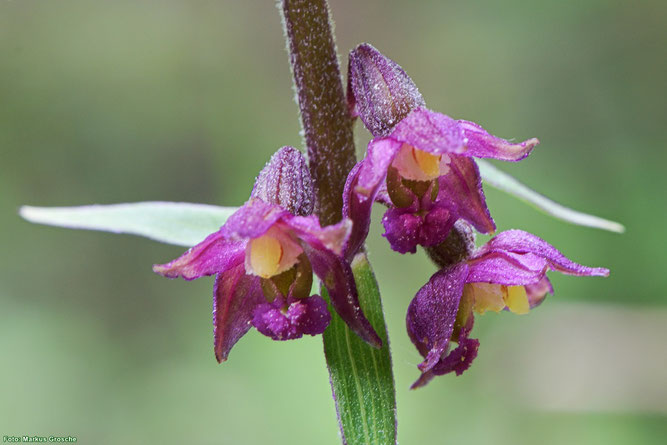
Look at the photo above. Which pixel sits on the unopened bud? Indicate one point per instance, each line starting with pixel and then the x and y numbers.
pixel 379 91
pixel 285 180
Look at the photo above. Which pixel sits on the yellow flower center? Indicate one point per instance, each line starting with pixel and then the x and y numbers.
pixel 495 297
pixel 516 299
pixel 486 297
pixel 265 255
pixel 418 165
pixel 428 163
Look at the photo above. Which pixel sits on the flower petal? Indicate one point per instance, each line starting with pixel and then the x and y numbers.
pixel 333 237
pixel 356 207
pixel 458 360
pixel 337 277
pixel 461 357
pixel 402 230
pixel 432 313
pixel 482 144
pixel 461 191
pixel 507 268
pixel 303 316
pixel 383 196
pixel 405 229
pixel 253 219
pixel 235 296
pixel 373 169
pixel 537 292
pixel 438 222
pixel 431 132
pixel 362 185
pixel 520 242
pixel 213 255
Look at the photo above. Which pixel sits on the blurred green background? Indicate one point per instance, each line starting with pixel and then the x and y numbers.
pixel 105 102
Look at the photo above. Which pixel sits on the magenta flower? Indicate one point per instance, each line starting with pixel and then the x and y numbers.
pixel 419 162
pixel 508 272
pixel 263 258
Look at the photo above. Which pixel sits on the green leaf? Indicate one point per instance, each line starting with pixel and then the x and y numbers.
pixel 361 376
pixel 179 223
pixel 502 181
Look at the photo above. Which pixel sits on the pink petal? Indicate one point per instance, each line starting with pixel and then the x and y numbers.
pixel 235 296
pixel 461 191
pixel 429 131
pixel 482 144
pixel 213 255
pixel 432 313
pixel 337 277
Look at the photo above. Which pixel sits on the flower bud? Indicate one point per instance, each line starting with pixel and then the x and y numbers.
pixel 456 248
pixel 379 91
pixel 285 180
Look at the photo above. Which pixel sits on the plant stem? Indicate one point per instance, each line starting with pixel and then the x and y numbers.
pixel 326 121
pixel 361 376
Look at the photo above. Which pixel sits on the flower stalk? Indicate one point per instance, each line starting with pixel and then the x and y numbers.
pixel 361 375
pixel 325 119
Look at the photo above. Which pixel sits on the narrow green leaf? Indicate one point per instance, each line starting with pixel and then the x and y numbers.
pixel 502 181
pixel 361 376
pixel 179 223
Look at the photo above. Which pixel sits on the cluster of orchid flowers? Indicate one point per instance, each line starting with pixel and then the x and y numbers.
pixel 420 164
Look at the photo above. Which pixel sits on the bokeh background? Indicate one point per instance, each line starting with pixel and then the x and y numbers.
pixel 104 102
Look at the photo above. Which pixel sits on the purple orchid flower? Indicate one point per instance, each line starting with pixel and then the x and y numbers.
pixel 506 273
pixel 264 257
pixel 419 162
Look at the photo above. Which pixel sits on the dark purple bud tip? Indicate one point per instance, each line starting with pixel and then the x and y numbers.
pixel 285 180
pixel 379 91
pixel 291 319
pixel 456 248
